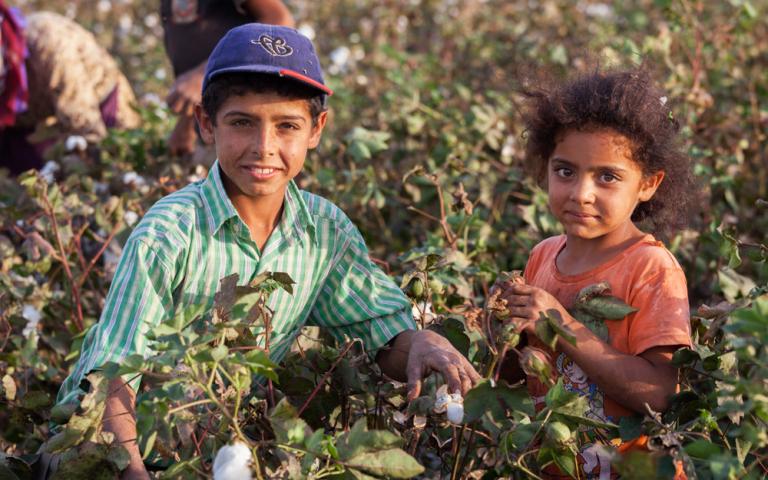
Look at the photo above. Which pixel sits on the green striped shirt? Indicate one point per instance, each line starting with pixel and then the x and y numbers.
pixel 192 238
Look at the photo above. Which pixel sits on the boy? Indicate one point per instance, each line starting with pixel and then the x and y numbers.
pixel 263 107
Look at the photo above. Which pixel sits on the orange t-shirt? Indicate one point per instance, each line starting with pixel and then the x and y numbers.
pixel 647 277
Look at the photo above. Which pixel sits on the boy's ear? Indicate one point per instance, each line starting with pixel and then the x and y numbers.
pixel 205 123
pixel 650 184
pixel 317 129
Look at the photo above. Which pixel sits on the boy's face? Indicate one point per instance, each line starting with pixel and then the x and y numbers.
pixel 594 185
pixel 261 141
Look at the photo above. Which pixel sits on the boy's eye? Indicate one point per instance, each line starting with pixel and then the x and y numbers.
pixel 289 126
pixel 241 122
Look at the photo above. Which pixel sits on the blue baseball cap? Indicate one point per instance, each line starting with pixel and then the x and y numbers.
pixel 271 49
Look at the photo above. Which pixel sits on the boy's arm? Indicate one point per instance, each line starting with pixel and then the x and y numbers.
pixel 631 380
pixel 120 419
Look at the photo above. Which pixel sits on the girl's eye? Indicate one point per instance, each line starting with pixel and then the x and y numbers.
pixel 608 178
pixel 563 172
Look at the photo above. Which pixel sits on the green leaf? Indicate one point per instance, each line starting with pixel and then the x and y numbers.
pixel 454 331
pixel 566 461
pixel 555 321
pixel 284 280
pixel 522 435
pixel 685 356
pixel 288 427
pixel 35 400
pixel 60 414
pixel 495 400
pixel 393 463
pixel 606 307
pixel 546 333
pixel 702 449
pixel 630 427
pixel 359 440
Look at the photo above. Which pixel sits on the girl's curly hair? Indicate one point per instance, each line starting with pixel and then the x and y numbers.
pixel 630 103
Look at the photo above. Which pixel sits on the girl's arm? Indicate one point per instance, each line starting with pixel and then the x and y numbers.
pixel 631 380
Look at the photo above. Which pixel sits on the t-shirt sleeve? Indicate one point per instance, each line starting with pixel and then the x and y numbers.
pixel 139 298
pixel 358 300
pixel 663 316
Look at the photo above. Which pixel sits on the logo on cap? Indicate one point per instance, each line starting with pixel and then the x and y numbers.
pixel 277 47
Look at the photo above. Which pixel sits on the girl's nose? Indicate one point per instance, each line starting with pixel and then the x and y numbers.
pixel 583 191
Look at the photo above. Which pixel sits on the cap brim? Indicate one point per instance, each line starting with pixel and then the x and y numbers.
pixel 276 70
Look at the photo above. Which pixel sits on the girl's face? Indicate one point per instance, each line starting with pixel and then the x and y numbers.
pixel 594 185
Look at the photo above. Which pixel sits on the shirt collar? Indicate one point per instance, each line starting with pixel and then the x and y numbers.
pixel 295 219
pixel 217 203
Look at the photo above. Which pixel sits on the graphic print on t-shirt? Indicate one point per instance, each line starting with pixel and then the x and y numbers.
pixel 595 460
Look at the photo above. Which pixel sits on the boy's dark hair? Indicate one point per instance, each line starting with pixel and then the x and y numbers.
pixel 225 85
pixel 630 103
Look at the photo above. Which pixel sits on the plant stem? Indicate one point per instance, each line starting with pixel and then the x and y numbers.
pixel 189 405
pixel 457 452
pixel 320 384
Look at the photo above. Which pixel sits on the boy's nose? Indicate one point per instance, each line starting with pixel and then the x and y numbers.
pixel 263 143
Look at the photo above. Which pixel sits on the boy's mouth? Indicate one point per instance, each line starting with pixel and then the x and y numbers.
pixel 260 173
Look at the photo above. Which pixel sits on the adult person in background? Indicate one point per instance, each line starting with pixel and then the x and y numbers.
pixel 56 80
pixel 192 28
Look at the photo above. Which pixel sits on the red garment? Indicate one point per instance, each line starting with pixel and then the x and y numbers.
pixel 646 276
pixel 14 91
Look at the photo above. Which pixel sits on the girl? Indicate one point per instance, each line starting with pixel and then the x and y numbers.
pixel 606 147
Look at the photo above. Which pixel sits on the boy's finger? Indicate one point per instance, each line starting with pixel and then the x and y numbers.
pixel 452 377
pixel 414 390
pixel 469 377
pixel 414 374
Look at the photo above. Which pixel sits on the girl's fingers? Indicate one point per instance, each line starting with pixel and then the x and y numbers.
pixel 519 313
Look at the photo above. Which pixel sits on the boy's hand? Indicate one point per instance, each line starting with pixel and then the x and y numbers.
pixel 431 352
pixel 414 354
pixel 527 303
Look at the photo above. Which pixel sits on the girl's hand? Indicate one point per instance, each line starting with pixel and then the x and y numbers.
pixel 527 303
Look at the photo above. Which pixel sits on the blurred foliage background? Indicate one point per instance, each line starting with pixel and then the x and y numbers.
pixel 423 151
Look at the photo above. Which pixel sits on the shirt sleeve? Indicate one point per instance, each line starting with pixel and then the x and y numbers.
pixel 139 298
pixel 358 300
pixel 663 316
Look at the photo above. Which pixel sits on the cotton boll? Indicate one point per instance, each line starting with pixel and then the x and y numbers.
pixel 130 218
pixel 32 316
pixel 442 398
pixel 48 172
pixel 455 413
pixel 75 142
pixel 233 462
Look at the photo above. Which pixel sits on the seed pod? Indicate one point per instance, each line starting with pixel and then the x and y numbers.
pixel 417 288
pixel 509 336
pixel 558 433
pixel 535 362
pixel 436 286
